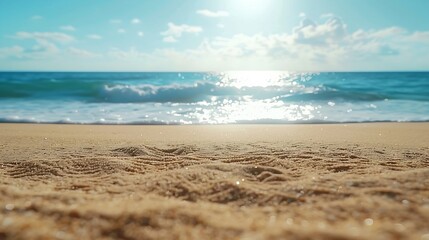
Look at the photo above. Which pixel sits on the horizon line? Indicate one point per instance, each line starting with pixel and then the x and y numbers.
pixel 188 71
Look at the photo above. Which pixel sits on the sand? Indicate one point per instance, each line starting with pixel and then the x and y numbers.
pixel 354 181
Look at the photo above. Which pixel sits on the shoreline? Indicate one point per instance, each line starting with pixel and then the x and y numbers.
pixel 214 124
pixel 302 181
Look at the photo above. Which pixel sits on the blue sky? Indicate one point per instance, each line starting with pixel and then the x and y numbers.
pixel 132 35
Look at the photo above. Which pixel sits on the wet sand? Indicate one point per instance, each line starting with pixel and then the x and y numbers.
pixel 354 181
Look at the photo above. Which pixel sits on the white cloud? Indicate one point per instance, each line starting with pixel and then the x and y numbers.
pixel 327 45
pixel 309 32
pixel 45 36
pixel 419 37
pixel 94 37
pixel 302 15
pixel 81 52
pixel 130 55
pixel 135 21
pixel 311 46
pixel 175 31
pixel 169 39
pixel 42 50
pixel 14 52
pixel 220 25
pixel 121 30
pixel 45 44
pixel 36 17
pixel 140 34
pixel 68 28
pixel 44 47
pixel 213 14
pixel 115 21
pixel 388 32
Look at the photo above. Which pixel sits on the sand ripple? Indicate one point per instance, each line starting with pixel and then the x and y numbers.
pixel 257 190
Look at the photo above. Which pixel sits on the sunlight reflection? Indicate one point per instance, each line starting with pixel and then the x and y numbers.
pixel 259 96
pixel 247 110
pixel 240 79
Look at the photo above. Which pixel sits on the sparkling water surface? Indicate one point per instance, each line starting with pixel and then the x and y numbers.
pixel 213 97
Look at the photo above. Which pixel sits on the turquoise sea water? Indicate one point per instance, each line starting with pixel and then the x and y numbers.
pixel 213 97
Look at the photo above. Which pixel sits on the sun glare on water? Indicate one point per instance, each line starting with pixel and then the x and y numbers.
pixel 257 97
pixel 240 79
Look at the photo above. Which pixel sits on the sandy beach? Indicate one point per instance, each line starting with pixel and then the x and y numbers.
pixel 329 181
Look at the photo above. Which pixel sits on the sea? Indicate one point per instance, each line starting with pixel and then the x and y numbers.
pixel 236 97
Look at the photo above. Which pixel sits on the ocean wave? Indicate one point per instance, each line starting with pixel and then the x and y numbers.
pixel 150 93
pixel 102 91
pixel 200 91
pixel 331 94
pixel 196 87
